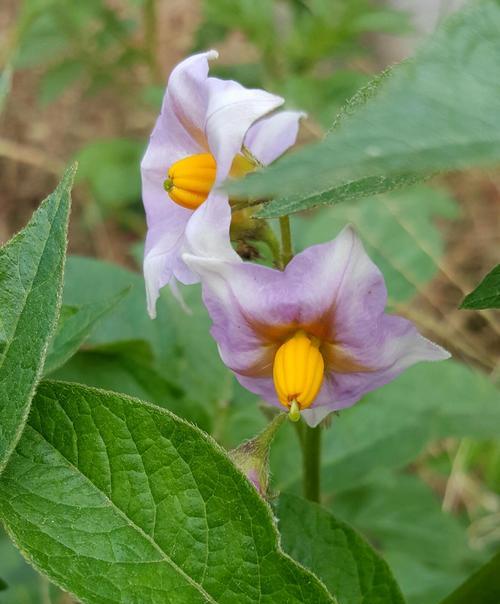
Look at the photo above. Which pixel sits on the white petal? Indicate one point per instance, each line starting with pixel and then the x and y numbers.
pixel 271 136
pixel 232 109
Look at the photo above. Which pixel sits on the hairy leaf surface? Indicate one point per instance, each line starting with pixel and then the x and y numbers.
pixel 75 325
pixel 119 501
pixel 347 564
pixel 411 123
pixel 31 276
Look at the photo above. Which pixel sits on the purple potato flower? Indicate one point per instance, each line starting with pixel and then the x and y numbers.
pixel 208 129
pixel 313 338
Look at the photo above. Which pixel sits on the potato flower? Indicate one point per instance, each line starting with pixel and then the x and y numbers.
pixel 313 338
pixel 208 129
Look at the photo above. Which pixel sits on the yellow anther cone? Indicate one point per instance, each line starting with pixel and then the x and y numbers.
pixel 298 372
pixel 190 180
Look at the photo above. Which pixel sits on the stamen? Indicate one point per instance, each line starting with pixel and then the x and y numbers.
pixel 298 372
pixel 190 180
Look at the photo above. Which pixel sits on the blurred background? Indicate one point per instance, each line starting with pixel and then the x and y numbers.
pixel 84 80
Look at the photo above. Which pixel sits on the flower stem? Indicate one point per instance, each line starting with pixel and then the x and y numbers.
pixel 286 241
pixel 272 242
pixel 311 462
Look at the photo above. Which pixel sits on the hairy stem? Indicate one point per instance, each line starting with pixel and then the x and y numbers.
pixel 286 241
pixel 311 462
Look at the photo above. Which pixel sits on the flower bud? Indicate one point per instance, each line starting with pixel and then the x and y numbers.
pixel 252 457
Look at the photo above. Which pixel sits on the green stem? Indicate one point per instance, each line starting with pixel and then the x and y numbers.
pixel 286 241
pixel 311 462
pixel 272 243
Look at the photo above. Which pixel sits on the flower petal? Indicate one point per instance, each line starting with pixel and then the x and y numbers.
pixel 164 241
pixel 227 287
pixel 232 109
pixel 179 129
pixel 207 232
pixel 178 132
pixel 381 345
pixel 332 287
pixel 270 137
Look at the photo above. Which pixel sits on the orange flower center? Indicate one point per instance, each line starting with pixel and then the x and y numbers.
pixel 298 372
pixel 190 180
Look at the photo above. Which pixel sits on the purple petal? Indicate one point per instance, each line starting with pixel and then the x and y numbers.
pixel 226 286
pixel 333 291
pixel 232 109
pixel 270 137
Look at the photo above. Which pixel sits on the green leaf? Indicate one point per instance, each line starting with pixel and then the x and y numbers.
pixel 31 275
pixel 127 493
pixel 426 548
pixel 111 168
pixel 482 588
pixel 365 187
pixel 487 293
pixel 180 342
pixel 391 426
pixel 75 325
pixel 333 550
pixel 436 112
pixel 129 321
pixel 129 368
pixel 3 585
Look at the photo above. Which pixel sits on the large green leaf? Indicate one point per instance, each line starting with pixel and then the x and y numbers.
pixel 120 501
pixel 482 588
pixel 89 281
pixel 75 325
pixel 487 293
pixel 438 111
pixel 31 275
pixel 393 424
pixel 180 342
pixel 426 548
pixel 345 562
pixel 129 368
